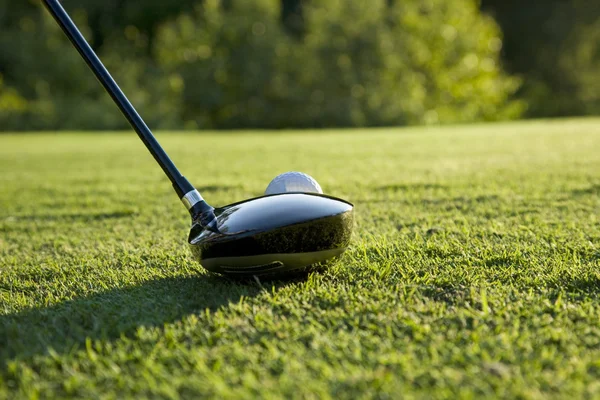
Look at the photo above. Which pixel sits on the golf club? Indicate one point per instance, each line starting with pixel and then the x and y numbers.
pixel 272 235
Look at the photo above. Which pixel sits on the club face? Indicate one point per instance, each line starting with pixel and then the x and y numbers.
pixel 275 235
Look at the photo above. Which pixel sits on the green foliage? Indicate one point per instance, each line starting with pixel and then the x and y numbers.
pixel 429 62
pixel 60 91
pixel 554 45
pixel 302 63
pixel 455 52
pixel 157 98
pixel 473 272
pixel 359 64
pixel 353 67
pixel 226 62
pixel 582 61
pixel 12 104
pixel 571 68
pixel 109 19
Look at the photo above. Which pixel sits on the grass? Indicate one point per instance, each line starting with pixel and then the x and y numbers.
pixel 474 270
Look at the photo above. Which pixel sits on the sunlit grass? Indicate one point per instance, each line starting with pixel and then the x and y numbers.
pixel 474 270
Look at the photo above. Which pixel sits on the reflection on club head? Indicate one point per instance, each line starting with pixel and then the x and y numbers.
pixel 276 234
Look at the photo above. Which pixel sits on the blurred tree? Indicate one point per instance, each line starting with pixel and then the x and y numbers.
pixel 316 63
pixel 438 62
pixel 45 71
pixel 111 18
pixel 456 53
pixel 292 17
pixel 12 105
pixel 581 61
pixel 46 85
pixel 225 60
pixel 551 44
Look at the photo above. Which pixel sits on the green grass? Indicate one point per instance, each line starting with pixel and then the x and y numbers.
pixel 474 270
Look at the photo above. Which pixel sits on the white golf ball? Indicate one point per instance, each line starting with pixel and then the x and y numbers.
pixel 293 182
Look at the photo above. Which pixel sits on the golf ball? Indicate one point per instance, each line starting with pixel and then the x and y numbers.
pixel 293 182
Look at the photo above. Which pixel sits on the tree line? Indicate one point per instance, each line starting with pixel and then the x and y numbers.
pixel 300 63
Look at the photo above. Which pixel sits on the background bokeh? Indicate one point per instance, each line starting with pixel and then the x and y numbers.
pixel 226 64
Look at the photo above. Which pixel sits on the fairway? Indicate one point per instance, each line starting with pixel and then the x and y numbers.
pixel 474 269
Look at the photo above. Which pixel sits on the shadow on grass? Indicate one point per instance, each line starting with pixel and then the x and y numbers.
pixel 582 289
pixel 216 188
pixel 410 186
pixel 447 203
pixel 588 286
pixel 592 190
pixel 115 313
pixel 72 217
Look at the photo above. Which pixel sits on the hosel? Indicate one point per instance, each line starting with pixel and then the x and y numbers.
pixel 202 213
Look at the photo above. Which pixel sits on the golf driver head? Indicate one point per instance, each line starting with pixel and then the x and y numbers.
pixel 274 235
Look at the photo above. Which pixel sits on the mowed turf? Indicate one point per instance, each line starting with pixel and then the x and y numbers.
pixel 474 269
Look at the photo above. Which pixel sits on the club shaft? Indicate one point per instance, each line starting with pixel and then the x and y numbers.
pixel 180 183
